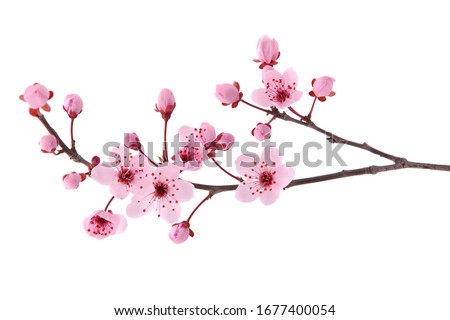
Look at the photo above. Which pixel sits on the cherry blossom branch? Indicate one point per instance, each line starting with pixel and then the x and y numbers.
pixel 403 164
pixel 72 153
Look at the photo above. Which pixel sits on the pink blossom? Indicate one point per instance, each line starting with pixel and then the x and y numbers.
pixel 73 105
pixel 165 194
pixel 131 140
pixel 48 143
pixel 37 96
pixel 102 224
pixel 229 94
pixel 262 131
pixel 264 177
pixel 180 232
pixel 280 89
pixel 199 144
pixel 129 173
pixel 73 180
pixel 268 51
pixel 322 88
pixel 166 104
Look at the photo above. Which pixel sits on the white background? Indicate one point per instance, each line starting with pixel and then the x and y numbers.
pixel 377 247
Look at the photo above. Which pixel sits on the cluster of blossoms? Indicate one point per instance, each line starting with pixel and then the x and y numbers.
pixel 156 186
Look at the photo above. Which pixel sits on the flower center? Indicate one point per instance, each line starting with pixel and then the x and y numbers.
pixel 161 189
pixel 282 95
pixel 266 179
pixel 125 176
pixel 100 226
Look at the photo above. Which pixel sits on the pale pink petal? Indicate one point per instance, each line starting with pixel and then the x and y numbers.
pixel 71 180
pixel 269 197
pixel 167 171
pixel 170 212
pixel 227 93
pixel 116 156
pixel 243 192
pixel 283 176
pixel 269 74
pixel 48 143
pixel 139 206
pixel 119 190
pixel 322 86
pixel 245 164
pixel 103 175
pixel 262 131
pixel 119 222
pixel 260 97
pixel 186 134
pixel 208 133
pixel 290 77
pixel 36 96
pixel 183 190
pixel 73 105
pixel 271 156
pixel 295 96
pixel 141 186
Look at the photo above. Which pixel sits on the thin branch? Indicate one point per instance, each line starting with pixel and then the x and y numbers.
pixel 73 155
pixel 213 189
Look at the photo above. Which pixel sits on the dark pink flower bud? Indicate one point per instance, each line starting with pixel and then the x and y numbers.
pixel 37 96
pixel 322 88
pixel 48 143
pixel 166 104
pixel 73 105
pixel 72 180
pixel 262 131
pixel 95 161
pixel 268 52
pixel 229 94
pixel 131 140
pixel 180 232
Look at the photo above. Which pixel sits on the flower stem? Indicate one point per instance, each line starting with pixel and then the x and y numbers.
pixel 253 106
pixel 312 108
pixel 148 158
pixel 109 202
pixel 165 155
pixel 198 206
pixel 224 170
pixel 71 134
pixel 296 113
pixel 273 118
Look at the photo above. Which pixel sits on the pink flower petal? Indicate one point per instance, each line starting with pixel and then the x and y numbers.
pixel 103 175
pixel 119 190
pixel 243 192
pixel 186 134
pixel 183 190
pixel 168 171
pixel 269 74
pixel 260 97
pixel 271 156
pixel 208 133
pixel 245 164
pixel 120 222
pixel 139 206
pixel 290 77
pixel 170 212
pixel 283 176
pixel 269 197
